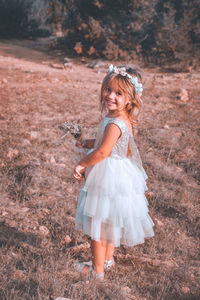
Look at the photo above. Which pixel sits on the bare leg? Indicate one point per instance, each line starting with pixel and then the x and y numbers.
pixel 98 251
pixel 109 251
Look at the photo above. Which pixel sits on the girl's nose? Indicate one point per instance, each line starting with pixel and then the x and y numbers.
pixel 112 94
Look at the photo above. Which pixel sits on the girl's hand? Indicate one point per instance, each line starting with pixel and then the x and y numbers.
pixel 80 144
pixel 78 172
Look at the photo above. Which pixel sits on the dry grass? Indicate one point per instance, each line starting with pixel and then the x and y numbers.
pixel 38 195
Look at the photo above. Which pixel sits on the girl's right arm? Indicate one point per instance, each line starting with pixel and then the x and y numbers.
pixel 111 135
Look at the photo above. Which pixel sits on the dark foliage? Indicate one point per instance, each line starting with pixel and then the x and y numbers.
pixel 158 31
pixel 19 19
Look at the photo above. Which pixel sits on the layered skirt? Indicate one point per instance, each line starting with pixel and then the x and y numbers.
pixel 112 206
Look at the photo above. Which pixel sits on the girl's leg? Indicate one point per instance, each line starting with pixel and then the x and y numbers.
pixel 99 252
pixel 109 251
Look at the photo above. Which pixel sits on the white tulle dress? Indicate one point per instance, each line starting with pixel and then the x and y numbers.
pixel 112 206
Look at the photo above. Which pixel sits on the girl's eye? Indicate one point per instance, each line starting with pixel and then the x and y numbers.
pixel 118 93
pixel 107 89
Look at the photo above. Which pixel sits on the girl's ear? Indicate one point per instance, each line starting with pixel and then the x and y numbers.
pixel 128 101
pixel 128 106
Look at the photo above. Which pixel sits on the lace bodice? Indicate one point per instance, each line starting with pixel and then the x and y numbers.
pixel 119 150
pixel 126 139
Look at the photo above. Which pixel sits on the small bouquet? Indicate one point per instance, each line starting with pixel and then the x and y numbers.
pixel 74 129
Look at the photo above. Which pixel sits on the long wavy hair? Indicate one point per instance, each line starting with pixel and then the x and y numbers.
pixel 127 89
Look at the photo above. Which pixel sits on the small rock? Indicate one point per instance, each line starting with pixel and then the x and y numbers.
pixel 67 65
pixel 24 209
pixel 159 222
pixel 66 59
pixel 14 254
pixel 34 135
pixel 67 239
pixel 70 218
pixel 12 153
pixel 150 194
pixel 57 66
pixel 185 289
pixel 45 62
pixel 46 211
pixel 26 142
pixel 183 95
pixel 44 230
pixel 126 290
pixel 179 169
pixel 20 274
pixel 29 71
pixel 170 263
pixel 95 64
pixel 4 80
pixel 166 126
pixel 52 160
pixel 4 213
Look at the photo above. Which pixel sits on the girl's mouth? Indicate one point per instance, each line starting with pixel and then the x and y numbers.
pixel 108 102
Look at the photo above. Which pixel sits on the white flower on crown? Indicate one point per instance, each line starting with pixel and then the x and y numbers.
pixel 133 79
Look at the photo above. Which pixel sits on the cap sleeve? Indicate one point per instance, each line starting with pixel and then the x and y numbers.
pixel 122 126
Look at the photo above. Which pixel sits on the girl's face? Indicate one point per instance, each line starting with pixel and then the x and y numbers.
pixel 114 99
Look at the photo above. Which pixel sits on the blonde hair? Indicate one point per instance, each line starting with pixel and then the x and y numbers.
pixel 127 88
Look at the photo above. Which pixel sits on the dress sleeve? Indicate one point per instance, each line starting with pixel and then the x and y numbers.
pixel 119 123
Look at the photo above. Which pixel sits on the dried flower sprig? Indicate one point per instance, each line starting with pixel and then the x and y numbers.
pixel 74 129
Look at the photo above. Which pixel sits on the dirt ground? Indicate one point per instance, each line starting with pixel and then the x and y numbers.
pixel 39 90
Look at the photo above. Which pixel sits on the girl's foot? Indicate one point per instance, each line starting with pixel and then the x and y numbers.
pixel 109 263
pixel 87 268
pixel 99 276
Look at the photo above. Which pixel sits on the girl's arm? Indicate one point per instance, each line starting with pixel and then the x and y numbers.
pixel 111 135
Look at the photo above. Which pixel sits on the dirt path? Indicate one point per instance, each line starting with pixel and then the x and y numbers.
pixel 38 195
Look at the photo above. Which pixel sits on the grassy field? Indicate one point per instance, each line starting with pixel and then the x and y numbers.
pixel 38 196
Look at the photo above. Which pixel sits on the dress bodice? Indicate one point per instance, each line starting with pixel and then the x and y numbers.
pixel 120 148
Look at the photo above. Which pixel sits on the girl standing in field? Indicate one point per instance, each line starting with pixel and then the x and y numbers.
pixel 112 207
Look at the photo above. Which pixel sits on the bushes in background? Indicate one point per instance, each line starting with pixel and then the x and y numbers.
pixel 23 18
pixel 158 31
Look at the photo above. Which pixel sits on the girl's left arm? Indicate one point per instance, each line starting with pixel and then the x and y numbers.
pixel 111 135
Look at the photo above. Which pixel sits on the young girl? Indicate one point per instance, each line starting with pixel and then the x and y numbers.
pixel 112 207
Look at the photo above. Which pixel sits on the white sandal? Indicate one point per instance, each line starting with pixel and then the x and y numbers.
pixel 109 263
pixel 79 266
pixel 99 276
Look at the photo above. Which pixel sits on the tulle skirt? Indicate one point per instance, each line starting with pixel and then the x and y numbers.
pixel 112 206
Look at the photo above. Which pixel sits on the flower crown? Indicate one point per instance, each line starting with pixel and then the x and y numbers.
pixel 133 80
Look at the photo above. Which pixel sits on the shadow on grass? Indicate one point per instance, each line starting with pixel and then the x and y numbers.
pixel 10 236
